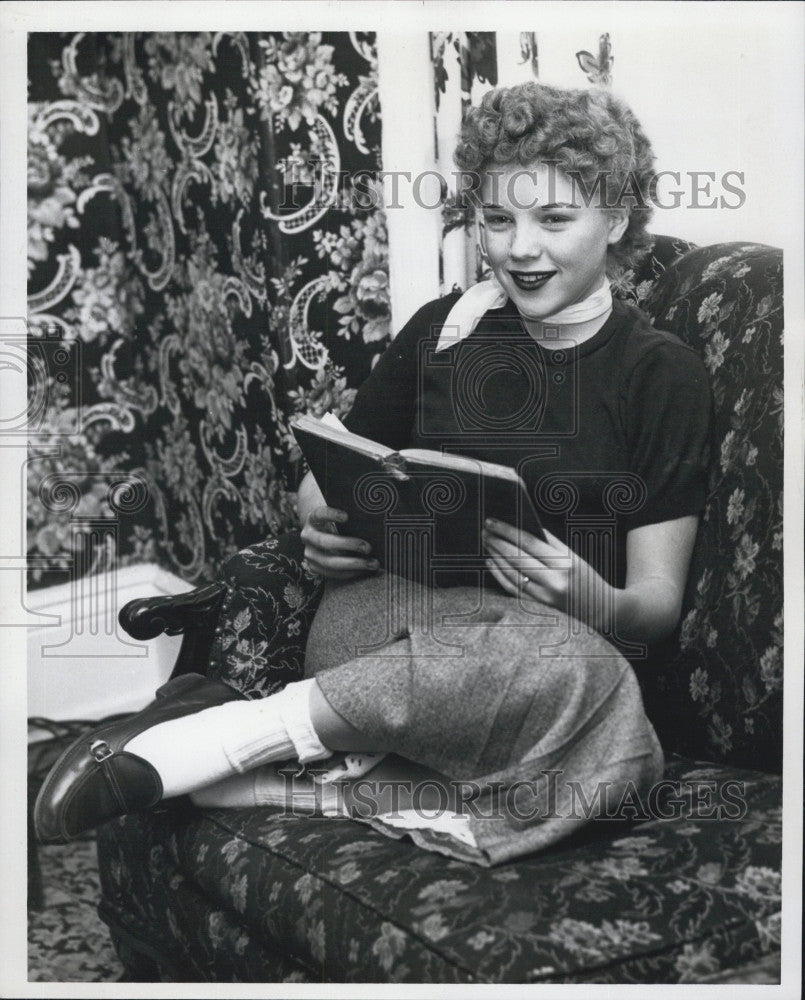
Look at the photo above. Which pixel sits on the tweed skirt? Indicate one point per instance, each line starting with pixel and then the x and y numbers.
pixel 534 723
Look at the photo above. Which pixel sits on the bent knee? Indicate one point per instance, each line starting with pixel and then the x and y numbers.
pixel 587 662
pixel 280 556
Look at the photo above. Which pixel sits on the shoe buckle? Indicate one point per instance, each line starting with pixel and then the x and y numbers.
pixel 100 750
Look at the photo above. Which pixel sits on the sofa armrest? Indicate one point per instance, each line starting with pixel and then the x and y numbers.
pixel 262 627
pixel 148 617
pixel 249 629
pixel 194 614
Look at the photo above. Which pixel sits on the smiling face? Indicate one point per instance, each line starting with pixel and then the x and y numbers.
pixel 546 247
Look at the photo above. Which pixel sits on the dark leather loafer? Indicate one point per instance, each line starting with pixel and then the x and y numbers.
pixel 95 779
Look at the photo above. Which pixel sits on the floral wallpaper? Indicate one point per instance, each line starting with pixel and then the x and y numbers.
pixel 200 269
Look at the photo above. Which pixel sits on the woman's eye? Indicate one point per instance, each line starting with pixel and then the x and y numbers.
pixel 554 220
pixel 496 220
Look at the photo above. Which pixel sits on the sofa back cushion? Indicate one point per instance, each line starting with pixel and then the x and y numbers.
pixel 716 691
pixel 635 284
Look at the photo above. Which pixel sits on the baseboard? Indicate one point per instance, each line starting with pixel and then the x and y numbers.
pixel 81 665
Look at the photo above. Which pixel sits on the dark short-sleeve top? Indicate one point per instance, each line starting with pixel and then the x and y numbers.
pixel 607 436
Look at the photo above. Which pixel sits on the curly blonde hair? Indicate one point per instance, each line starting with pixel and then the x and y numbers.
pixel 589 134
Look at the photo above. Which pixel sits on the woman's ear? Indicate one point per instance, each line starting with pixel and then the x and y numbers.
pixel 618 222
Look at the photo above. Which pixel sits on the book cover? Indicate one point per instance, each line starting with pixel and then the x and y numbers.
pixel 421 511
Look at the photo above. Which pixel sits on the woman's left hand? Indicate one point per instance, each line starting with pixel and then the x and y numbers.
pixel 547 571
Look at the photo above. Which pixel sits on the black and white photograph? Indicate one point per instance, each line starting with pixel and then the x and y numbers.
pixel 402 482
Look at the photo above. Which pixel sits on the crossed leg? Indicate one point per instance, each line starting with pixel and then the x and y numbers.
pixel 465 682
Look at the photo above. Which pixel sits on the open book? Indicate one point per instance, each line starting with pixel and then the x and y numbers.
pixel 420 510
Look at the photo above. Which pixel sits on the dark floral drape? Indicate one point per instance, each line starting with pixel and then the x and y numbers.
pixel 199 271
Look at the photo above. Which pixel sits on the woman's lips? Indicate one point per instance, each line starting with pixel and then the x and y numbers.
pixel 529 281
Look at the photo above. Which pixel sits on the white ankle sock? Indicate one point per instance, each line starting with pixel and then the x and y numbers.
pixel 272 785
pixel 238 791
pixel 200 749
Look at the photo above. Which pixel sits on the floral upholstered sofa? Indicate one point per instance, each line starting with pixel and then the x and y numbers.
pixel 258 895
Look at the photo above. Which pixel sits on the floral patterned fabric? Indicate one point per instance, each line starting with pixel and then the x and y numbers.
pixel 634 284
pixel 244 893
pixel 199 271
pixel 722 674
pixel 271 599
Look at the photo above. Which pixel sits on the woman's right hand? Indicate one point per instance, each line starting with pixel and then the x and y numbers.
pixel 334 556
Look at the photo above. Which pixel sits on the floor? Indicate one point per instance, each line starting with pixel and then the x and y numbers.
pixel 67 942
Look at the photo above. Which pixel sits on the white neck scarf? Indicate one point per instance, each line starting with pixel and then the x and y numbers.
pixel 489 294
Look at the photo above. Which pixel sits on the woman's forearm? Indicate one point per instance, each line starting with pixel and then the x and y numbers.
pixel 645 612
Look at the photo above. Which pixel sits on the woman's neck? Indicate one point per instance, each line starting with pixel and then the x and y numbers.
pixel 574 334
pixel 577 322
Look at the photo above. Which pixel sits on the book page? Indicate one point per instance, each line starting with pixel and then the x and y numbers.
pixel 332 421
pixel 448 461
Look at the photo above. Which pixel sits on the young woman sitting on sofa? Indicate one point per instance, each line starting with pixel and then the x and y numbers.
pixel 518 678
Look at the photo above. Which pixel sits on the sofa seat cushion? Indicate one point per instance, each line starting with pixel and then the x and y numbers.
pixel 667 900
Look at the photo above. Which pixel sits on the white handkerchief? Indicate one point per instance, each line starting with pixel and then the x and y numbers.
pixel 465 314
pixel 489 294
pixel 351 765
